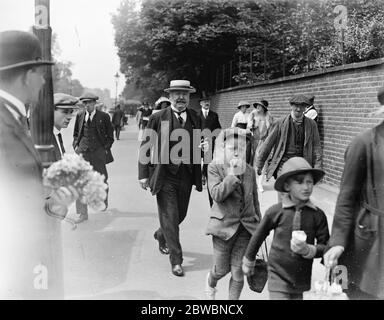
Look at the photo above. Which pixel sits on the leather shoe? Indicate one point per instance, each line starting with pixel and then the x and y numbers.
pixel 163 248
pixel 177 270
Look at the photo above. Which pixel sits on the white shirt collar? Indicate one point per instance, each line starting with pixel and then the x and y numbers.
pixel 16 102
pixel 89 115
pixel 55 131
pixel 288 203
pixel 183 115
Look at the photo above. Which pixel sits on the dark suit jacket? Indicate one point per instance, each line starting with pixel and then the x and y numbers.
pixel 28 236
pixel 116 118
pixel 211 122
pixel 104 130
pixel 156 172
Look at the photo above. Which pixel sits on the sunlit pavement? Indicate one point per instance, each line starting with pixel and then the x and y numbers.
pixel 113 255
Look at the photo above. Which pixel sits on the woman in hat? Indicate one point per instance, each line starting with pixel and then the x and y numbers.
pixel 300 233
pixel 240 119
pixel 260 122
pixel 161 103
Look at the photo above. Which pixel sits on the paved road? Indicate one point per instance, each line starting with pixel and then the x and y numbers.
pixel 113 255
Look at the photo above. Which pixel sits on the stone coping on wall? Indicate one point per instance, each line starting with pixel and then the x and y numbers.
pixel 356 65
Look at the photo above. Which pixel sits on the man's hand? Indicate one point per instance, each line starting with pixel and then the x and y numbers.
pixel 332 255
pixel 234 164
pixel 204 146
pixel 64 196
pixel 144 183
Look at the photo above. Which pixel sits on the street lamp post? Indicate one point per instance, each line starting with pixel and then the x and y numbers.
pixel 117 76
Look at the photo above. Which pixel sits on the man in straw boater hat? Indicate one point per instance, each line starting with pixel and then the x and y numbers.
pixel 300 233
pixel 93 138
pixel 65 106
pixel 30 243
pixel 357 237
pixel 171 177
pixel 292 136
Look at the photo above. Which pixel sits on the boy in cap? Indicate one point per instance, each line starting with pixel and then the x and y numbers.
pixel 297 223
pixel 292 136
pixel 235 213
pixel 65 106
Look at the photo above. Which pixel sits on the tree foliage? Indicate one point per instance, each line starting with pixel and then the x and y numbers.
pixel 191 39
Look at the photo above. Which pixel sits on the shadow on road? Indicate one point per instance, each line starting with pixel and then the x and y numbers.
pixel 197 261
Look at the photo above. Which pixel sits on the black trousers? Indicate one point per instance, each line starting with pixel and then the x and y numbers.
pixel 117 132
pixel 97 159
pixel 172 203
pixel 205 173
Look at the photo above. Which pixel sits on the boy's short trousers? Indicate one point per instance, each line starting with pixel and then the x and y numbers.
pixel 230 253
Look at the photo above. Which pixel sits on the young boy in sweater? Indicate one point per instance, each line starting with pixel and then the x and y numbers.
pixel 297 223
pixel 235 212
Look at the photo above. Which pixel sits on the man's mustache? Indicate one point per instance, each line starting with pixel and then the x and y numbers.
pixel 181 100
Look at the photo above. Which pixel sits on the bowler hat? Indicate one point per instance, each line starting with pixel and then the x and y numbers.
pixel 204 97
pixel 300 99
pixel 243 103
pixel 183 85
pixel 263 103
pixel 89 96
pixel 20 49
pixel 294 166
pixel 65 101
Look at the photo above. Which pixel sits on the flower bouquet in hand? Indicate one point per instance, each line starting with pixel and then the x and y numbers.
pixel 73 170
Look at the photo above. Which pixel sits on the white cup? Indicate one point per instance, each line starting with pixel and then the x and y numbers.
pixel 299 235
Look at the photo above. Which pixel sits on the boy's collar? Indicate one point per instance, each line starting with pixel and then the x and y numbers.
pixel 288 203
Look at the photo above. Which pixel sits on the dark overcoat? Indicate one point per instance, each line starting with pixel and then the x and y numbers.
pixel 358 223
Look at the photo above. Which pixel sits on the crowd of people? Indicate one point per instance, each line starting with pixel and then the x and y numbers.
pixel 172 160
pixel 289 150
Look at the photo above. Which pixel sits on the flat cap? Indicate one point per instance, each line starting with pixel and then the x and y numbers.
pixel 300 99
pixel 64 101
pixel 89 96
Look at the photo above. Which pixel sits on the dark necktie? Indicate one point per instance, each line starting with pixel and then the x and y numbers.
pixel 89 120
pixel 296 224
pixel 178 115
pixel 61 142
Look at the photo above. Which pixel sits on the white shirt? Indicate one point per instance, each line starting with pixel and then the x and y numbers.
pixel 205 112
pixel 87 115
pixel 239 117
pixel 183 115
pixel 56 132
pixel 16 102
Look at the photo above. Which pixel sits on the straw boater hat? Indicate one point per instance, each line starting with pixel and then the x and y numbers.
pixel 20 49
pixel 263 103
pixel 243 103
pixel 293 166
pixel 184 85
pixel 65 101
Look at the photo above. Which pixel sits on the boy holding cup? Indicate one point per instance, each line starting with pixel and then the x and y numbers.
pixel 297 223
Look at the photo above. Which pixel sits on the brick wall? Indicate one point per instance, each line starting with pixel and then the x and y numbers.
pixel 345 99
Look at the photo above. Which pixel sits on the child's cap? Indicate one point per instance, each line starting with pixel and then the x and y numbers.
pixel 293 166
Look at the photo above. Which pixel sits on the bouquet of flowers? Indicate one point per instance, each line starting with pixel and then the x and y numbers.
pixel 73 170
